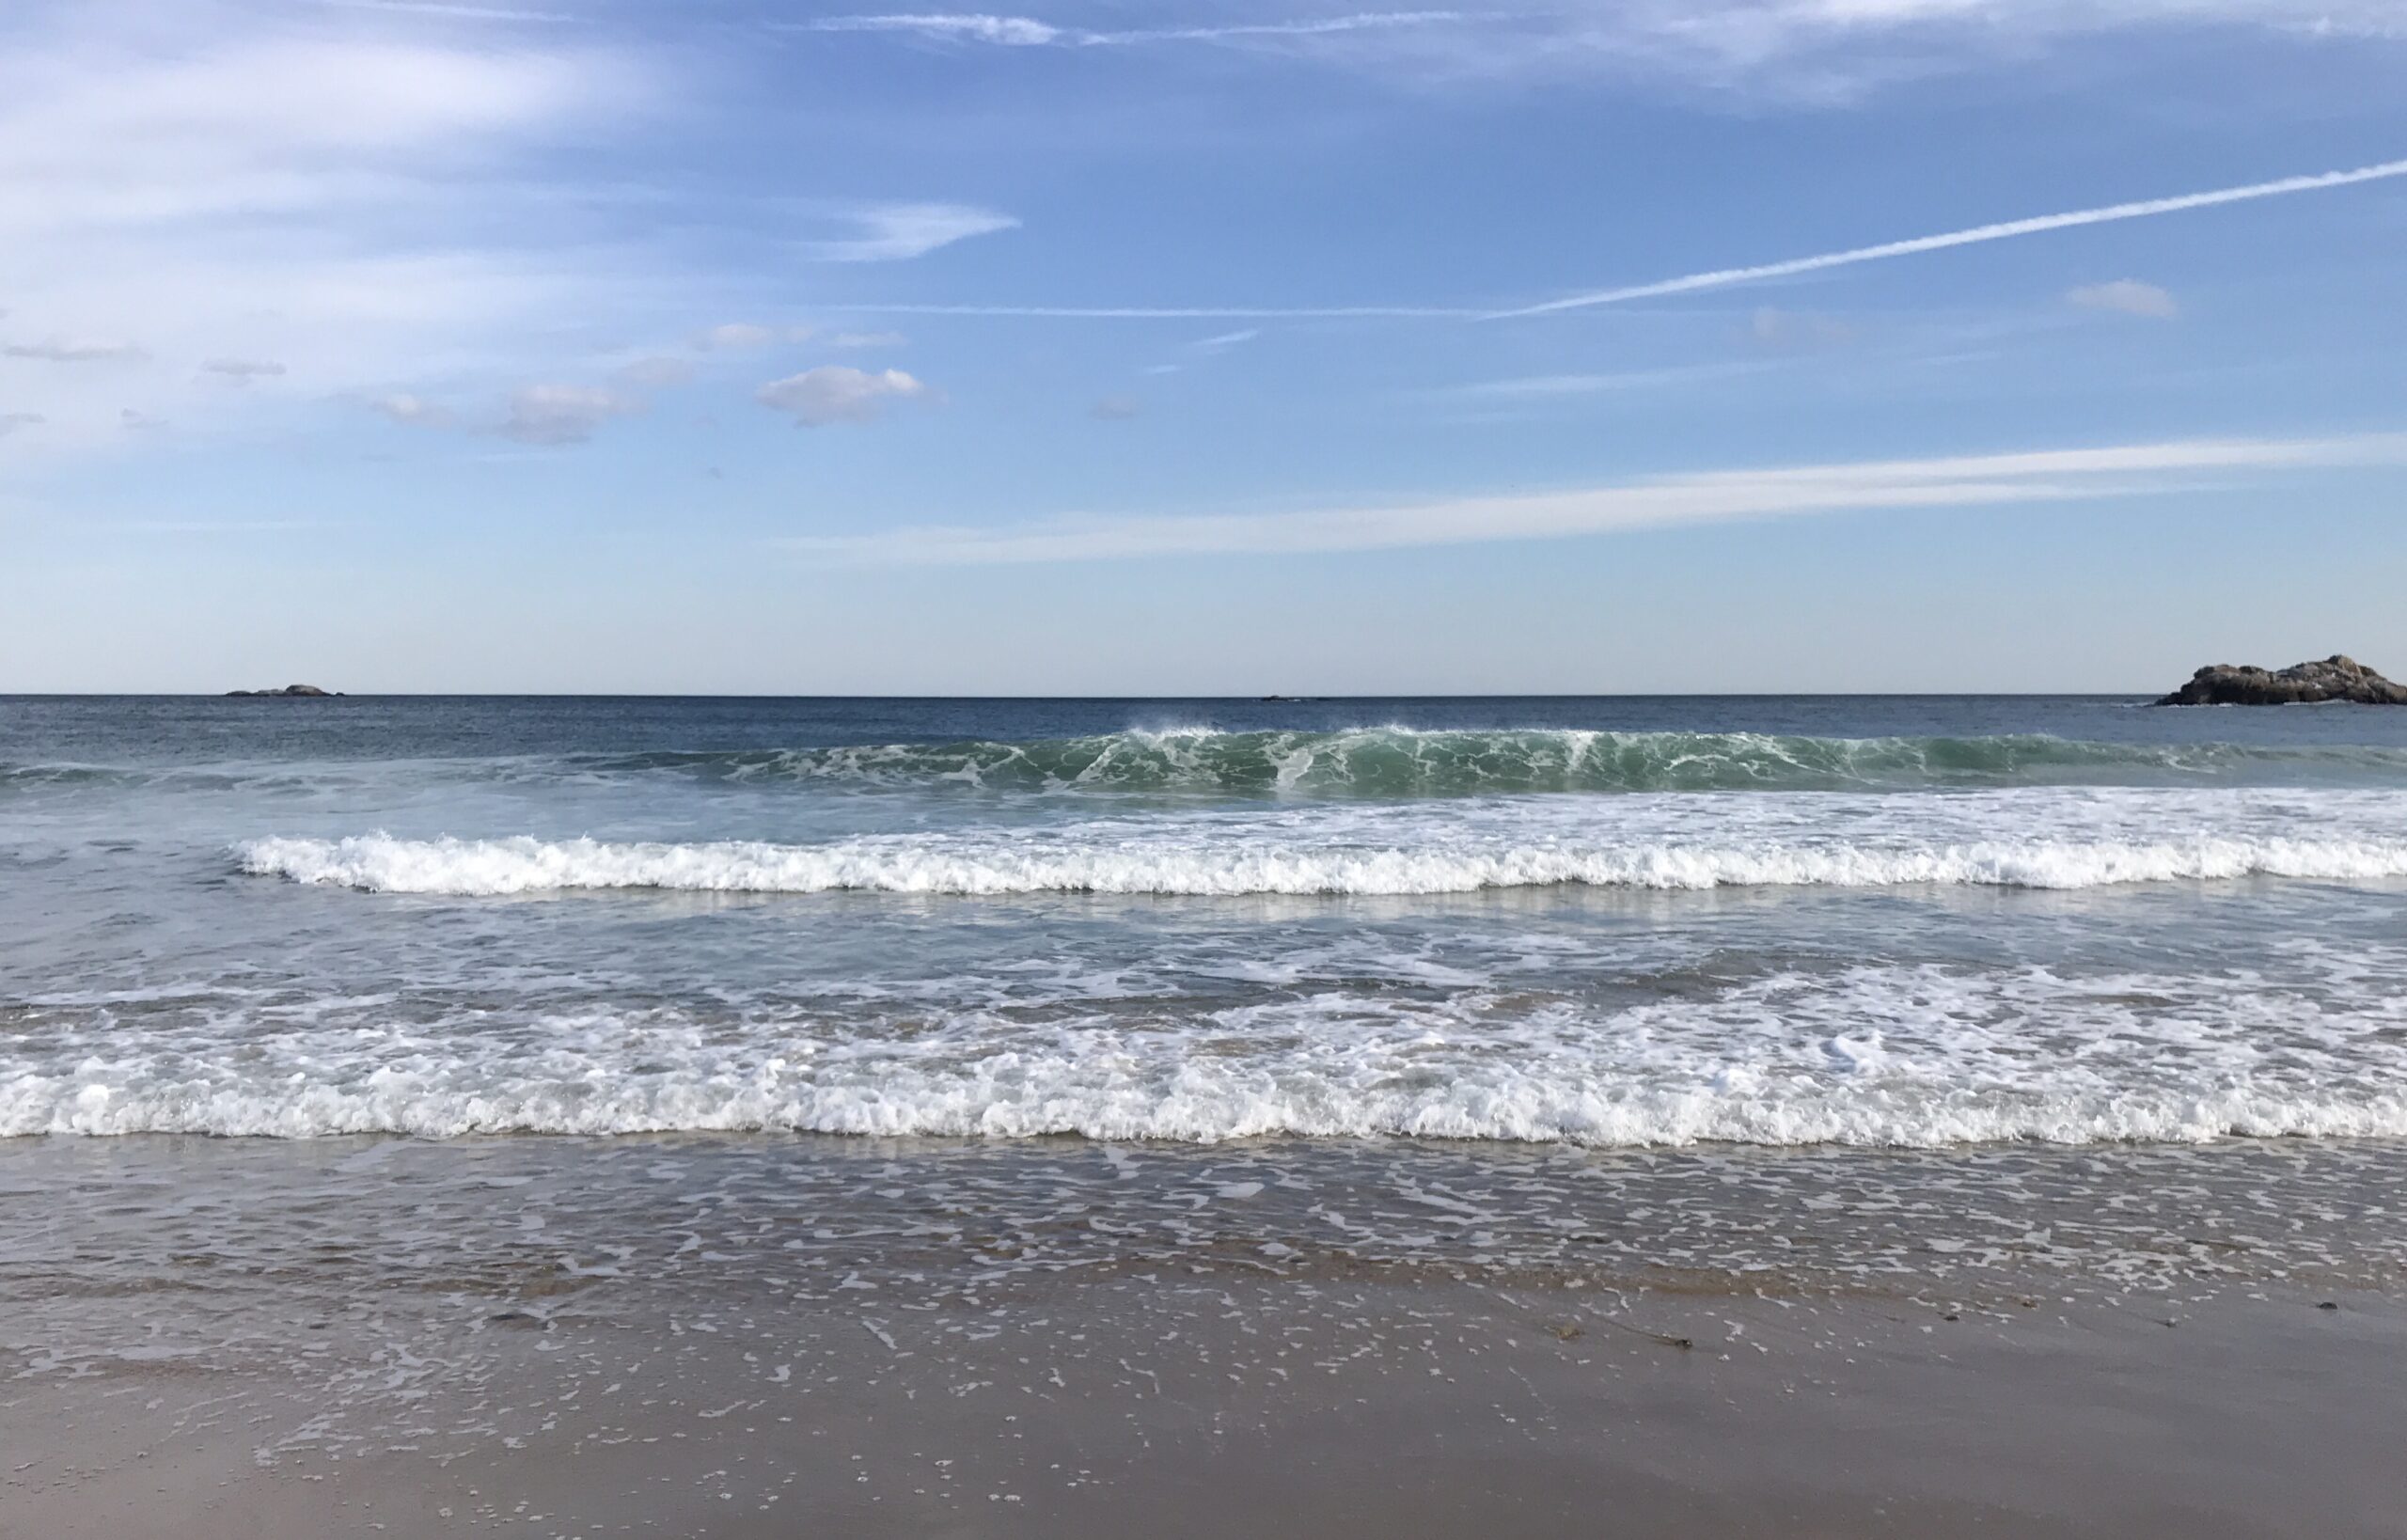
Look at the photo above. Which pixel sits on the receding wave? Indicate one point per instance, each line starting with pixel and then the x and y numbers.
pixel 941 865
pixel 1405 762
pixel 970 1107
pixel 1871 1055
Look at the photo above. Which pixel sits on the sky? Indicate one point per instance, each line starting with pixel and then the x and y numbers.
pixel 1199 347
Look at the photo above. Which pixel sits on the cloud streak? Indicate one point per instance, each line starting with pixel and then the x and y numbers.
pixel 242 372
pixel 2004 230
pixel 1714 497
pixel 1027 32
pixel 443 9
pixel 896 232
pixel 73 350
pixel 1176 313
pixel 1687 283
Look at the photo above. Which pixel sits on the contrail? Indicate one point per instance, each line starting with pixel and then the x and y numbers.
pixel 1183 312
pixel 2038 225
pixel 1027 32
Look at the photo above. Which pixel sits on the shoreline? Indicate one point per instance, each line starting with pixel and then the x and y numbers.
pixel 753 1335
pixel 1428 1408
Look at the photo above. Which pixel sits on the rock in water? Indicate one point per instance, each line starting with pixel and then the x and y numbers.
pixel 2336 678
pixel 289 689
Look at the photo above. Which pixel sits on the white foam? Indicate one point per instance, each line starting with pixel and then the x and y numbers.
pixel 940 864
pixel 1921 1056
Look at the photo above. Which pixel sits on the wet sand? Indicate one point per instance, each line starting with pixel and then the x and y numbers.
pixel 197 1345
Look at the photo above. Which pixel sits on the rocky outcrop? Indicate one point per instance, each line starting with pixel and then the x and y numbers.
pixel 2336 678
pixel 289 689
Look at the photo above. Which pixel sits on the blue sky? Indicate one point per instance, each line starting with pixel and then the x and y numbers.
pixel 735 345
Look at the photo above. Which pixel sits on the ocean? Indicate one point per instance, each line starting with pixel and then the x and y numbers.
pixel 1922 922
pixel 1083 1118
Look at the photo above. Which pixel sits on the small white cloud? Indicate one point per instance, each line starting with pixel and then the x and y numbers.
pixel 1228 340
pixel 657 373
pixel 11 421
pixel 2127 296
pixel 139 422
pixel 868 339
pixel 563 414
pixel 242 372
pixel 1117 408
pixel 896 232
pixel 736 334
pixel 73 350
pixel 1797 329
pixel 1161 368
pixel 413 411
pixel 839 393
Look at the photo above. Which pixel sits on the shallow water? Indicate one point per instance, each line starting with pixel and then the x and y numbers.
pixel 1925 922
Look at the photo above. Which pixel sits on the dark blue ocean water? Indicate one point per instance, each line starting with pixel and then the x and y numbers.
pixel 190 729
pixel 1627 920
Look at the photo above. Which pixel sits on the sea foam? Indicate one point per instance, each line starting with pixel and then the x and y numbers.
pixel 1873 1055
pixel 977 864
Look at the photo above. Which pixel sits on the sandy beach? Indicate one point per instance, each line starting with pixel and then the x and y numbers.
pixel 516 1337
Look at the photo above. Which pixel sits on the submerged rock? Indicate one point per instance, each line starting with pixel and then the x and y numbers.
pixel 289 689
pixel 2336 678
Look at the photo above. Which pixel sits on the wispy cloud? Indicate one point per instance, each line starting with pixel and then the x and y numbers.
pixel 1793 331
pixel 659 372
pixel 2126 295
pixel 73 350
pixel 1814 52
pixel 547 415
pixel 1176 313
pixel 242 372
pixel 214 526
pixel 2005 230
pixel 896 232
pixel 1227 340
pixel 412 411
pixel 1116 409
pixel 227 182
pixel 1722 497
pixel 11 421
pixel 564 413
pixel 868 339
pixel 737 336
pixel 1540 387
pixel 1770 326
pixel 839 393
pixel 1027 32
pixel 446 9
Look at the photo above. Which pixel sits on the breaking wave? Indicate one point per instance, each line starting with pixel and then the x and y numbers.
pixel 971 865
pixel 1405 762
